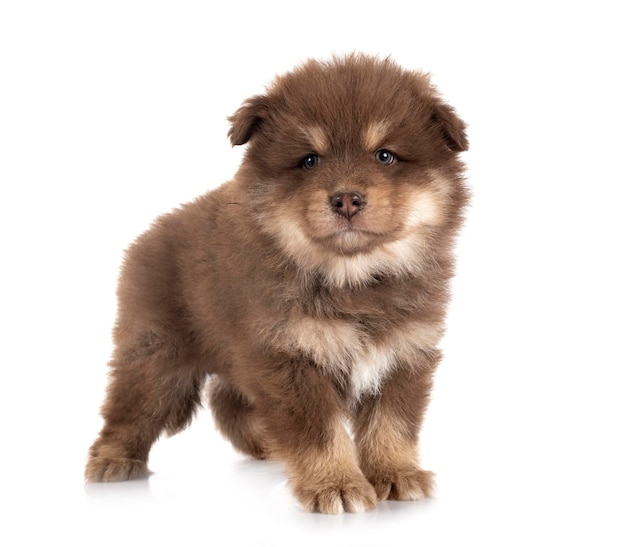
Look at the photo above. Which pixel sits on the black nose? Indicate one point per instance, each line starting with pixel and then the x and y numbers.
pixel 347 204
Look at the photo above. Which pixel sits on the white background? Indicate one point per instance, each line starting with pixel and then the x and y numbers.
pixel 114 112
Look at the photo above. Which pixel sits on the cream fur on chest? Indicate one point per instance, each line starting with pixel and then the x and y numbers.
pixel 342 347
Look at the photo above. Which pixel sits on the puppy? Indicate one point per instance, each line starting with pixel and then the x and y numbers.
pixel 311 289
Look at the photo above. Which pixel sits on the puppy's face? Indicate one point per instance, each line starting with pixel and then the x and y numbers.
pixel 351 166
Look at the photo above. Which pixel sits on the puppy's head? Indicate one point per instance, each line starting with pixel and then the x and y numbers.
pixel 352 167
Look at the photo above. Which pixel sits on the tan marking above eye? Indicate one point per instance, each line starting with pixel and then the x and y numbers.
pixel 317 138
pixel 375 135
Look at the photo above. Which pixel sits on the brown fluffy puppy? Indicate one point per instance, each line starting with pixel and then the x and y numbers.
pixel 311 288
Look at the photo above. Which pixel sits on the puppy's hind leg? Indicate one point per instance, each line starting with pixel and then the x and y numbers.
pixel 151 391
pixel 236 419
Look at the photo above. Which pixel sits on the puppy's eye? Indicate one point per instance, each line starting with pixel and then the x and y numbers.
pixel 310 161
pixel 384 156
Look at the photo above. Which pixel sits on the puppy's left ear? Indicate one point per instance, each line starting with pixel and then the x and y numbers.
pixel 452 126
pixel 248 119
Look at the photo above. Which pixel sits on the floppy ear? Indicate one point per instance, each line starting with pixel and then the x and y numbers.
pixel 452 126
pixel 247 120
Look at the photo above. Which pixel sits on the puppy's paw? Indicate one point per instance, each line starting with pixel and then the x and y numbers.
pixel 106 469
pixel 353 495
pixel 408 484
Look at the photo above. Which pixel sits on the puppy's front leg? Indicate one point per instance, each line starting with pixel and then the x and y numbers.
pixel 305 419
pixel 387 428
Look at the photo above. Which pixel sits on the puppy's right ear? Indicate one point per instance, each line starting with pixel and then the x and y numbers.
pixel 248 119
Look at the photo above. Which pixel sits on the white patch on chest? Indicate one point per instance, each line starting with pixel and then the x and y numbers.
pixel 370 369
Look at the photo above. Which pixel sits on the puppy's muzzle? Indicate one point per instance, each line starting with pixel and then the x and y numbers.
pixel 347 204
